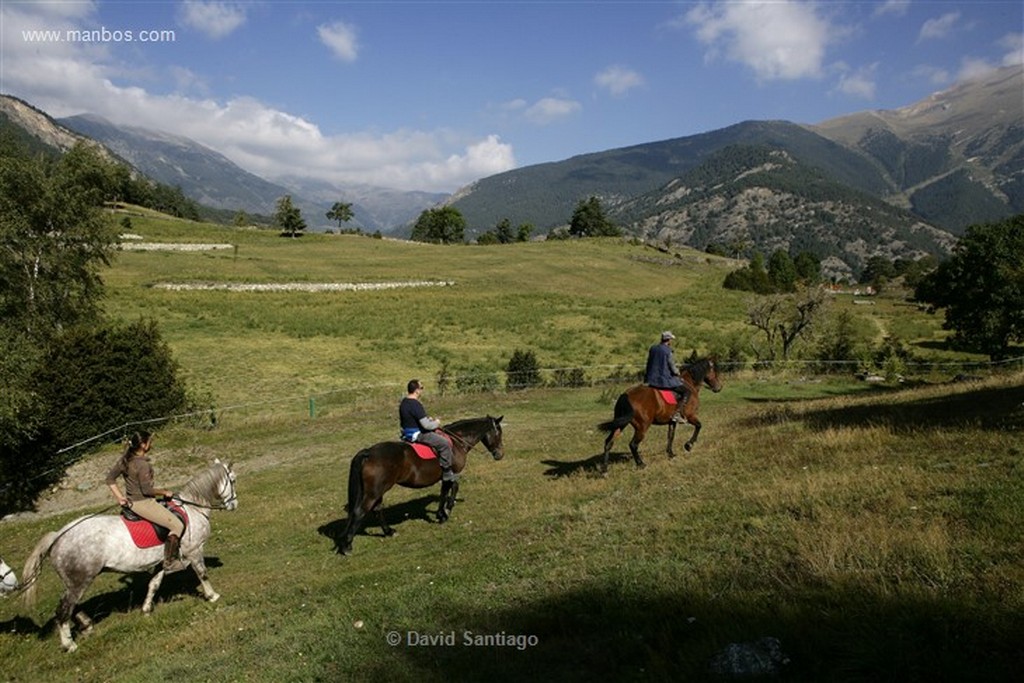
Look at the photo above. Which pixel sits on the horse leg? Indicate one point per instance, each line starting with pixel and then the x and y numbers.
pixel 442 505
pixel 154 586
pixel 66 612
pixel 671 438
pixel 639 431
pixel 379 507
pixel 199 567
pixel 84 622
pixel 452 495
pixel 612 435
pixel 696 431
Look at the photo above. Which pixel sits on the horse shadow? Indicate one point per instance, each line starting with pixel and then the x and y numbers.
pixel 590 467
pixel 126 598
pixel 418 508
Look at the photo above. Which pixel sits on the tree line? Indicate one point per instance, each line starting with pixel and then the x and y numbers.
pixel 68 373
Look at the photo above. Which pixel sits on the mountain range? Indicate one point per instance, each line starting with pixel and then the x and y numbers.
pixel 899 183
pixel 933 167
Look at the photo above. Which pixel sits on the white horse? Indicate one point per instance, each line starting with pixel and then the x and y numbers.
pixel 89 545
pixel 8 579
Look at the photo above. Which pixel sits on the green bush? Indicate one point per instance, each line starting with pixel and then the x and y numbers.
pixel 475 379
pixel 97 379
pixel 522 371
pixel 569 378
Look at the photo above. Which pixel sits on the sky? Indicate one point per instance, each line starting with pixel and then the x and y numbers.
pixel 434 95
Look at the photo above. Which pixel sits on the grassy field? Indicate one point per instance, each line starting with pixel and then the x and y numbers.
pixel 874 531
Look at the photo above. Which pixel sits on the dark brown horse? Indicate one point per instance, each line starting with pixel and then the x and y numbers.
pixel 375 470
pixel 642 406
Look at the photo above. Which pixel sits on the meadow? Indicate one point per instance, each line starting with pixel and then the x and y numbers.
pixel 873 530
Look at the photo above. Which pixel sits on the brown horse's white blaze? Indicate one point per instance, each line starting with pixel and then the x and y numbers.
pixel 641 406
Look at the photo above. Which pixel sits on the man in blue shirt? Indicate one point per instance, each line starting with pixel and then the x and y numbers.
pixel 417 426
pixel 663 373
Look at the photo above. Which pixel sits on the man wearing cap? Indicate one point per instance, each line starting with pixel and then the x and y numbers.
pixel 663 373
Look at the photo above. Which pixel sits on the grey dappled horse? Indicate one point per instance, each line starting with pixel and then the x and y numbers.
pixel 89 545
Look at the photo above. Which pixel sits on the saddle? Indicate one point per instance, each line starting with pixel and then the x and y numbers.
pixel 425 451
pixel 145 533
pixel 669 396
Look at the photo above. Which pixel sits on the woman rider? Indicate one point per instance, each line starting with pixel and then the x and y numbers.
pixel 140 496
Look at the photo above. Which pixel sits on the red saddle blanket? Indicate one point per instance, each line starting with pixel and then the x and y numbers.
pixel 145 534
pixel 669 396
pixel 425 451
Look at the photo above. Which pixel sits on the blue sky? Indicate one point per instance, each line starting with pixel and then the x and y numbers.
pixel 434 95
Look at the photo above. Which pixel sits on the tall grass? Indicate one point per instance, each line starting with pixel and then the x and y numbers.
pixel 874 532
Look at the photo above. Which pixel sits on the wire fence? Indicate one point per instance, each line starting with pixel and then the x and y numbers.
pixel 574 377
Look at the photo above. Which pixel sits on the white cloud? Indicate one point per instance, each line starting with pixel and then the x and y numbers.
pixel 784 40
pixel 1013 43
pixel 933 74
pixel 618 80
pixel 551 109
pixel 215 19
pixel 896 8
pixel 66 78
pixel 341 39
pixel 859 83
pixel 938 28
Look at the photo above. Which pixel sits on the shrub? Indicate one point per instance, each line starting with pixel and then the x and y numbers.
pixel 569 378
pixel 97 379
pixel 522 371
pixel 475 379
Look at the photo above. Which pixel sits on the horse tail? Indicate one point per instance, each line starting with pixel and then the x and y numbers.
pixel 355 480
pixel 623 415
pixel 34 565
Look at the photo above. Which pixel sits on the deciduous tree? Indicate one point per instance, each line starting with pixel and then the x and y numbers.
pixel 981 288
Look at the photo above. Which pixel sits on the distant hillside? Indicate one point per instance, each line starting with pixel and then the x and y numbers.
pixel 953 159
pixel 757 198
pixel 36 130
pixel 546 194
pixel 203 174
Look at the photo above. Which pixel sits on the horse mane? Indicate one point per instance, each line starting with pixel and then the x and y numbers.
pixel 203 485
pixel 468 422
pixel 698 370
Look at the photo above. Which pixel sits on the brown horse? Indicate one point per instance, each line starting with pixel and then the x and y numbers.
pixel 375 470
pixel 642 406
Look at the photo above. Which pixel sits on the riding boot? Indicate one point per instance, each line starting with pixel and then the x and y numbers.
pixel 171 547
pixel 682 396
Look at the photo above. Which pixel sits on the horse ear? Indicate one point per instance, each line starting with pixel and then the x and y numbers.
pixel 216 461
pixel 499 419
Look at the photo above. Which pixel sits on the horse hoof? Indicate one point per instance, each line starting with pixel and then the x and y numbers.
pixel 688 447
pixel 214 598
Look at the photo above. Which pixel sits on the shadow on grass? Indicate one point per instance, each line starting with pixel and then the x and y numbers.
pixel 609 632
pixel 1000 408
pixel 589 466
pixel 423 508
pixel 128 598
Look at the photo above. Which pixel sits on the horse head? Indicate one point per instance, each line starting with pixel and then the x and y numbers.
pixel 226 486
pixel 492 437
pixel 711 376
